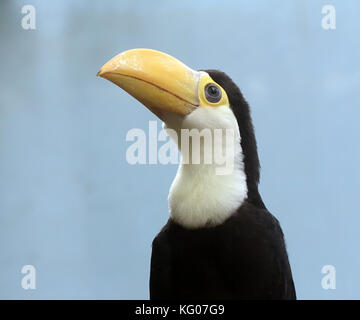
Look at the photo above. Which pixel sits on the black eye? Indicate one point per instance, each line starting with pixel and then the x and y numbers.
pixel 212 93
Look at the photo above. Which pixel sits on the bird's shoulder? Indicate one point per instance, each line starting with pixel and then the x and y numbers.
pixel 249 222
pixel 161 239
pixel 248 248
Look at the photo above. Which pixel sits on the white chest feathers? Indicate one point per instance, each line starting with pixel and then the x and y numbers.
pixel 199 196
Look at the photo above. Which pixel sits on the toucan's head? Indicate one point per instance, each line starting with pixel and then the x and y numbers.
pixel 186 99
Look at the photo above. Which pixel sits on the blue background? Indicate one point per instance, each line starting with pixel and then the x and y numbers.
pixel 71 205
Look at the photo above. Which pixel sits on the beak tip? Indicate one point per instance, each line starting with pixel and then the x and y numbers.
pixel 99 73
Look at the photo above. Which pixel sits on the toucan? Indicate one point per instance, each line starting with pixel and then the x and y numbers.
pixel 220 241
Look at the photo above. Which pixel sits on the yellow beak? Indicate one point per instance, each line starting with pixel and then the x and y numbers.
pixel 159 81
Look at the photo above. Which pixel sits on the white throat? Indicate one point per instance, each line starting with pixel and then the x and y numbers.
pixel 199 196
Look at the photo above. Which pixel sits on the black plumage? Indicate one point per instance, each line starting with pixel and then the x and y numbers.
pixel 243 258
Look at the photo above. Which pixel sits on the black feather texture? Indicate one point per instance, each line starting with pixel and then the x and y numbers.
pixel 243 258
